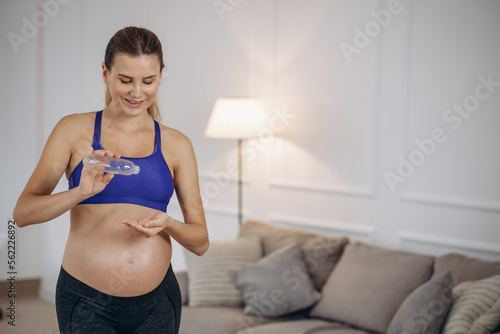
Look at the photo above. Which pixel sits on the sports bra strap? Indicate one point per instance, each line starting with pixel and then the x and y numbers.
pixel 97 130
pixel 157 136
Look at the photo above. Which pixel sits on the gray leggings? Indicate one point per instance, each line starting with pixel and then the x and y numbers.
pixel 81 309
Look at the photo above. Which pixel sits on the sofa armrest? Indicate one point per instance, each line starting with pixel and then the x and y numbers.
pixel 182 279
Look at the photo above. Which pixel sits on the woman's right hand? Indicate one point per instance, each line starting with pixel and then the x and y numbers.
pixel 93 182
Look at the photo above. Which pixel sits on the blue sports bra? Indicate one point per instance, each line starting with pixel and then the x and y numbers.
pixel 152 187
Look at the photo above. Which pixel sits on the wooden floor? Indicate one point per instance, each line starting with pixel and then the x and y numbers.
pixel 32 314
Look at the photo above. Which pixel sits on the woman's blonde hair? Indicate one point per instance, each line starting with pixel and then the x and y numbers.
pixel 134 41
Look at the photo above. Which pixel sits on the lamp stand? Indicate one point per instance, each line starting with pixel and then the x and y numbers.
pixel 240 184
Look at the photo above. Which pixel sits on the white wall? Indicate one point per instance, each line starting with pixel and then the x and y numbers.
pixel 351 120
pixel 20 133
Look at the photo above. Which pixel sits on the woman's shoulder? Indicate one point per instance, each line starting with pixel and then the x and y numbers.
pixel 74 127
pixel 76 122
pixel 177 147
pixel 77 118
pixel 70 131
pixel 174 137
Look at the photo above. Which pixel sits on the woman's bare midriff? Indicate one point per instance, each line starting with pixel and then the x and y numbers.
pixel 111 257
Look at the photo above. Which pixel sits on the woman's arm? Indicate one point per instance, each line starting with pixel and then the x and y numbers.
pixel 37 204
pixel 192 233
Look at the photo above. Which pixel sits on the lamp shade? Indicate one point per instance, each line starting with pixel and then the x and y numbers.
pixel 237 118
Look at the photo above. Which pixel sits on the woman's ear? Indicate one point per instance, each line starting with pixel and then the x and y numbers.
pixel 105 73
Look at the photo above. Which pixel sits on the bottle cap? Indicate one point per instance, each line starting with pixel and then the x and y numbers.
pixel 136 169
pixel 89 160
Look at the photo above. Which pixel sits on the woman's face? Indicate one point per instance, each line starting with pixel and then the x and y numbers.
pixel 132 82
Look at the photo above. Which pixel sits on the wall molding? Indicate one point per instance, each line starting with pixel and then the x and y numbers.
pixel 206 175
pixel 227 210
pixel 322 188
pixel 466 245
pixel 444 200
pixel 366 232
pixel 339 189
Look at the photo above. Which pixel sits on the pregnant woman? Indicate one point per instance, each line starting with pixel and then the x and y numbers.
pixel 116 275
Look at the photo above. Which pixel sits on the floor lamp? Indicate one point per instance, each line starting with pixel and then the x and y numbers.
pixel 237 118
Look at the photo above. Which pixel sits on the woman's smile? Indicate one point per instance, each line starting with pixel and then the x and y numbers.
pixel 134 103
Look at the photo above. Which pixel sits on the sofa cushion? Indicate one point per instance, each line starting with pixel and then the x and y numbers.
pixel 464 268
pixel 182 280
pixel 209 283
pixel 425 309
pixel 217 320
pixel 332 330
pixel 300 327
pixel 320 253
pixel 476 308
pixel 276 285
pixel 369 284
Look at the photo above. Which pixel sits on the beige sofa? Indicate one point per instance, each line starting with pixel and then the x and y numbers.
pixel 276 280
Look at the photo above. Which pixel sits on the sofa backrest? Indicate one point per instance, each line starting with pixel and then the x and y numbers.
pixel 369 284
pixel 464 268
pixel 321 253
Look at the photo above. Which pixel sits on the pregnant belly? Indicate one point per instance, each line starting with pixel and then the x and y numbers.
pixel 116 260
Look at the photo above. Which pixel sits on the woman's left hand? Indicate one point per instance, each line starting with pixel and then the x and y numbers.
pixel 149 226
